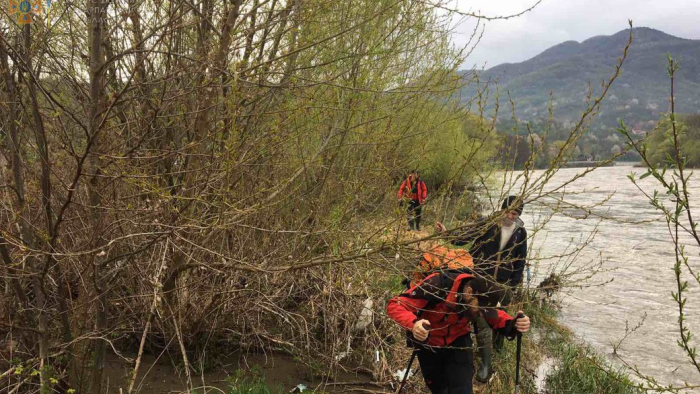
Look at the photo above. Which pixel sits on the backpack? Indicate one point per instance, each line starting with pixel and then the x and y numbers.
pixel 441 258
pixel 445 284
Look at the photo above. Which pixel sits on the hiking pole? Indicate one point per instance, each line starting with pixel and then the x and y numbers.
pixel 517 356
pixel 408 369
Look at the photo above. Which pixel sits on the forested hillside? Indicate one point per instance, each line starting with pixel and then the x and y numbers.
pixel 567 69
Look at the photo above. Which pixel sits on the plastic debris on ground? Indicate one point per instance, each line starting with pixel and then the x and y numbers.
pixel 401 372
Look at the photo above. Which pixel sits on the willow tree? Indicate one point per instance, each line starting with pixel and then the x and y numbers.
pixel 184 173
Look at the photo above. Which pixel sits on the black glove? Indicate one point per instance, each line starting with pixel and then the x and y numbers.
pixel 401 203
pixel 512 332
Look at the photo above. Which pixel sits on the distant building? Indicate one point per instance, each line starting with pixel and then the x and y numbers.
pixel 536 140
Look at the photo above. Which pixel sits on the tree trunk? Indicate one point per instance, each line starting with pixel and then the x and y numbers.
pixel 95 27
pixel 38 271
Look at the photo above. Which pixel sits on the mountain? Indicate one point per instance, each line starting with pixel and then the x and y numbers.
pixel 638 96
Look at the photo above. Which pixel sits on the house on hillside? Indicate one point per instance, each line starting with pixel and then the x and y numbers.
pixel 638 129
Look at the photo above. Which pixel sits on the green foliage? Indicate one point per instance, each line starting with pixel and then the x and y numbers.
pixel 548 136
pixel 393 284
pixel 577 369
pixel 660 145
pixel 582 371
pixel 504 368
pixel 254 383
pixel 451 153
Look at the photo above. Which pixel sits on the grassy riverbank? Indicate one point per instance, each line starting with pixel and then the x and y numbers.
pixel 574 367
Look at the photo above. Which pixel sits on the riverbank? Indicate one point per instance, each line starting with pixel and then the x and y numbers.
pixel 573 367
pixel 553 361
pixel 558 362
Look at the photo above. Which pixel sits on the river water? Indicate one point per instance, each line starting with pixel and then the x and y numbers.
pixel 637 260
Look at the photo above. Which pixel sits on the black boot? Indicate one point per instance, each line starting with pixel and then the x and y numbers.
pixel 483 374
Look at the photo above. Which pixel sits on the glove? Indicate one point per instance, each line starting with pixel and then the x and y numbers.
pixel 401 203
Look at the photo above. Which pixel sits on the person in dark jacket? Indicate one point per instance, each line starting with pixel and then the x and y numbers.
pixel 414 190
pixel 437 313
pixel 499 248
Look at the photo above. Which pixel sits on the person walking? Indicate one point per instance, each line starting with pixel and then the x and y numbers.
pixel 415 191
pixel 437 313
pixel 499 249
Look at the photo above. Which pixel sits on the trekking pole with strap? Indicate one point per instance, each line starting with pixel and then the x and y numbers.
pixel 408 369
pixel 517 356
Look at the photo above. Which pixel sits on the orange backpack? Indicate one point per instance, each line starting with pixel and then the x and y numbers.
pixel 441 258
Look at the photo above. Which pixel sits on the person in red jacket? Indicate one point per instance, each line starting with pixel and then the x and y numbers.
pixel 413 189
pixel 437 313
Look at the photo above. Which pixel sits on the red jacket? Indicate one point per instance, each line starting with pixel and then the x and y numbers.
pixel 407 189
pixel 435 299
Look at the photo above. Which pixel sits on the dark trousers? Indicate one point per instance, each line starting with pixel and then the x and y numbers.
pixel 414 212
pixel 486 337
pixel 448 370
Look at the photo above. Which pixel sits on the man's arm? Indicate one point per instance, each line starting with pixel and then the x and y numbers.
pixel 503 323
pixel 405 308
pixel 509 326
pixel 403 184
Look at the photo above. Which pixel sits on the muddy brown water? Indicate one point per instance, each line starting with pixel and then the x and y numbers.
pixel 282 372
pixel 638 261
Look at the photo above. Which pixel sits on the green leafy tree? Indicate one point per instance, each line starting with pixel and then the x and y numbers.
pixel 660 147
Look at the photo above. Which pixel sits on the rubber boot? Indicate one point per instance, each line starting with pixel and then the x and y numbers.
pixel 483 374
pixel 497 342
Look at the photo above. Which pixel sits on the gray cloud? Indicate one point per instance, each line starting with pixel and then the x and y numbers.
pixel 555 21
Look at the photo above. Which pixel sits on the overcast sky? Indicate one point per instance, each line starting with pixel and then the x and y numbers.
pixel 556 21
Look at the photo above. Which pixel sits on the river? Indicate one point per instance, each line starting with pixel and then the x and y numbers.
pixel 637 261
